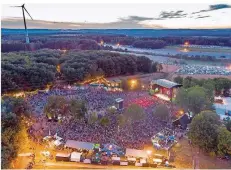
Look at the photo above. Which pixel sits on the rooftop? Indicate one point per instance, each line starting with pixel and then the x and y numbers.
pixel 165 83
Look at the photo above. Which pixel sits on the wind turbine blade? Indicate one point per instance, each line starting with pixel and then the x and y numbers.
pixel 27 12
pixel 15 6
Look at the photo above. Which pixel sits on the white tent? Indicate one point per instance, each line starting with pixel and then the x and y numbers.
pixel 136 153
pixel 75 156
pixel 79 145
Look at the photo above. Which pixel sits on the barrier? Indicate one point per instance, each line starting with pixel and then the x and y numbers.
pixel 116 163
pixel 138 164
pixel 145 165
pixel 124 163
pixel 143 161
pixel 87 161
pixel 153 165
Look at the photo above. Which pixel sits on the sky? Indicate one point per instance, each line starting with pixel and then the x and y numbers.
pixel 116 16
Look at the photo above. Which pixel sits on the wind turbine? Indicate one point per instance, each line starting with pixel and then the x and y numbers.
pixel 26 32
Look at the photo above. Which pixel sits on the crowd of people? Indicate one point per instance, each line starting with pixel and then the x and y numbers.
pixel 135 135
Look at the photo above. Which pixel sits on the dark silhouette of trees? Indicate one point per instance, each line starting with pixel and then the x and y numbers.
pixel 28 70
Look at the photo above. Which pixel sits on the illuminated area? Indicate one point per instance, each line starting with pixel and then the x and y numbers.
pixel 229 67
pixel 118 44
pixel 109 85
pixel 164 89
pixel 101 42
pixel 149 152
pixel 141 101
pixel 58 68
pixel 133 84
pixel 163 97
pixel 186 43
pixel 63 50
pixel 185 50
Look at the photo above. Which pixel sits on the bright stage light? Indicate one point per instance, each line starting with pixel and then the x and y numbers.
pixel 133 82
pixel 101 42
pixel 149 152
pixel 110 147
pixel 162 96
pixel 181 112
pixel 186 43
pixel 229 67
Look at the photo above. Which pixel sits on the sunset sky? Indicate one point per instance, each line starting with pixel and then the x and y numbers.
pixel 77 16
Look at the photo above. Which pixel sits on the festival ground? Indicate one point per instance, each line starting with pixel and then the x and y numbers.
pixel 183 159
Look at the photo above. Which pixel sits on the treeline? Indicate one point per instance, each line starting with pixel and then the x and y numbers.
pixel 90 42
pixel 208 133
pixel 126 40
pixel 28 70
pixel 79 66
pixel 32 70
pixel 169 40
pixel 153 44
pixel 221 86
pixel 62 44
pixel 13 131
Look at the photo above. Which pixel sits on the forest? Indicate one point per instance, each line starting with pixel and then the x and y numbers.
pixel 32 70
pixel 91 42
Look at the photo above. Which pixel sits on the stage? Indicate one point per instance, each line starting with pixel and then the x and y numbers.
pixel 162 96
pixel 164 89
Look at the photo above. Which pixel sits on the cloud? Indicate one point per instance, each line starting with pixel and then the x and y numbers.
pixel 213 8
pixel 133 22
pixel 199 17
pixel 172 14
pixel 135 19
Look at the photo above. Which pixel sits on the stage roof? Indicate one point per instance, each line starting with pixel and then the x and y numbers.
pixel 79 145
pixel 165 83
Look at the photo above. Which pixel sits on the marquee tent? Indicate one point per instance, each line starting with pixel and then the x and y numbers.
pixel 79 145
pixel 75 156
pixel 136 153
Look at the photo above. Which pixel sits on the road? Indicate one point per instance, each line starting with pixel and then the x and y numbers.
pixel 74 165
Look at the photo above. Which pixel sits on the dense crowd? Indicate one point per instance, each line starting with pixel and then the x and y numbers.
pixel 136 135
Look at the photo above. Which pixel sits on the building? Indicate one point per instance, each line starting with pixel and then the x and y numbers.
pixel 182 121
pixel 62 157
pixel 164 89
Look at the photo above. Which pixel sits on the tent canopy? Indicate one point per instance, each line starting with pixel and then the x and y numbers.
pixel 136 153
pixel 79 145
pixel 165 83
pixel 62 155
pixel 75 155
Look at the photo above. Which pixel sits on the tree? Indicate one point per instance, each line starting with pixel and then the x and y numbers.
pixel 104 121
pixel 77 108
pixel 194 98
pixel 159 67
pixel 178 80
pixel 121 120
pixel 224 141
pixel 161 112
pixel 15 105
pixel 56 105
pixel 133 113
pixel 187 82
pixel 92 118
pixel 111 110
pixel 203 130
pixel 227 123
pixel 182 98
pixel 197 99
pixel 11 137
